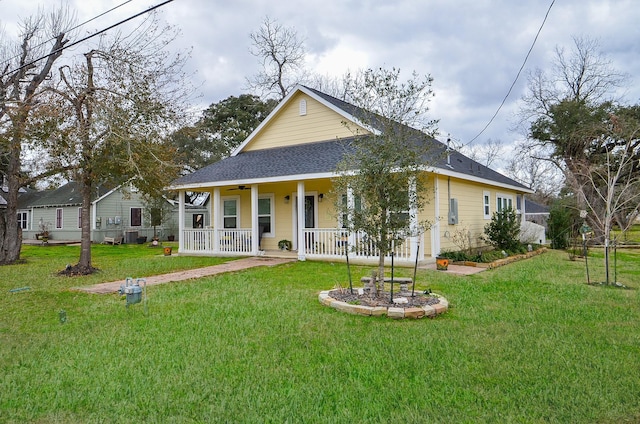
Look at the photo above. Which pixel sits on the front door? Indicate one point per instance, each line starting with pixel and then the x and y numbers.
pixel 309 212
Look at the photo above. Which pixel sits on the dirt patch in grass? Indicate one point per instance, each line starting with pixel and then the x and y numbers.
pixel 75 271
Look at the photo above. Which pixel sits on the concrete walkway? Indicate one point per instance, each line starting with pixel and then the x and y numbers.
pixel 235 265
pixel 456 269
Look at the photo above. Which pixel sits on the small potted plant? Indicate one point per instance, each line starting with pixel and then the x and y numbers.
pixel 43 235
pixel 442 263
pixel 284 245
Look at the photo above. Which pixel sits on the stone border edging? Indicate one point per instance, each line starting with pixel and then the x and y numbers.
pixel 501 262
pixel 392 312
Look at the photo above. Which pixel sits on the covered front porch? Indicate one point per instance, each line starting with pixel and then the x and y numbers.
pixel 251 220
pixel 319 243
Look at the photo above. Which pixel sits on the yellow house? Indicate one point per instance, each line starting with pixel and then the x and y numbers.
pixel 273 187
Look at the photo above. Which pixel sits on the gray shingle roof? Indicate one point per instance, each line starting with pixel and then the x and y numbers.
pixel 533 207
pixel 310 158
pixel 67 195
pixel 323 157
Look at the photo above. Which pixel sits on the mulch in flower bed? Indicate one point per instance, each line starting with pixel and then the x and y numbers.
pixel 420 299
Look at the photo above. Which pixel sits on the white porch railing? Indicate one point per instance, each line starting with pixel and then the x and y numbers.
pixel 200 240
pixel 229 241
pixel 331 242
pixel 235 241
pixel 328 243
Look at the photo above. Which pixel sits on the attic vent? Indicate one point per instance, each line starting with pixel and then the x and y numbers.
pixel 303 107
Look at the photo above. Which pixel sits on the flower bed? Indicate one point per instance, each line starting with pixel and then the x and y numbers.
pixel 504 261
pixel 358 303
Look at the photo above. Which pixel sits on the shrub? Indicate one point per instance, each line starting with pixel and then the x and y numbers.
pixel 561 224
pixel 456 256
pixel 503 231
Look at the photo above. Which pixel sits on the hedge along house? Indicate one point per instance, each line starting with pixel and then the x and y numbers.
pixel 274 187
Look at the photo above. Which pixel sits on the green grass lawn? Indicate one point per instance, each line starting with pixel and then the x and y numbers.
pixel 529 342
pixel 631 235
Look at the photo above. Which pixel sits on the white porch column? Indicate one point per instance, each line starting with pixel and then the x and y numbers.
pixel 215 219
pixel 255 233
pixel 435 228
pixel 181 228
pixel 301 213
pixel 413 217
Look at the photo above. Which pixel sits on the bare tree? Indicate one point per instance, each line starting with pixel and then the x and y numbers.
pixel 563 109
pixel 26 69
pixel 583 75
pixel 281 52
pixel 611 185
pixel 488 154
pixel 531 167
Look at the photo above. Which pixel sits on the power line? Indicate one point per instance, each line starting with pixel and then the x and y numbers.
pixel 89 37
pixel 517 75
pixel 71 29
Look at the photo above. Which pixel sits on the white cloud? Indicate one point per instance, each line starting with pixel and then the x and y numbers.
pixel 472 48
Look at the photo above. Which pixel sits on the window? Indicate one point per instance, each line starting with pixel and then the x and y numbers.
pixel 265 215
pixel 486 199
pixel 401 218
pixel 357 206
pixel 503 202
pixel 230 213
pixel 59 218
pixel 198 220
pixel 136 217
pixel 22 220
pixel 79 217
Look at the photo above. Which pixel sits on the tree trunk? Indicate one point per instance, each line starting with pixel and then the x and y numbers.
pixel 607 234
pixel 11 235
pixel 84 264
pixel 382 253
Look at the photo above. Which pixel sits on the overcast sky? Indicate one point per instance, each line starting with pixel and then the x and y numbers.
pixel 472 48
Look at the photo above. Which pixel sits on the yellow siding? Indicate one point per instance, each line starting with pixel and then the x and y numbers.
pixel 289 127
pixel 470 198
pixel 428 214
pixel 283 210
pixel 471 217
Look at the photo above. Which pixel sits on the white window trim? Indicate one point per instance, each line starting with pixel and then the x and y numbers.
pixel 238 210
pixel 272 205
pixel 486 204
pixel 23 220
pixel 502 196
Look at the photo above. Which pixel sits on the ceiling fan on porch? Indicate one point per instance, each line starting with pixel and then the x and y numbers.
pixel 241 187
